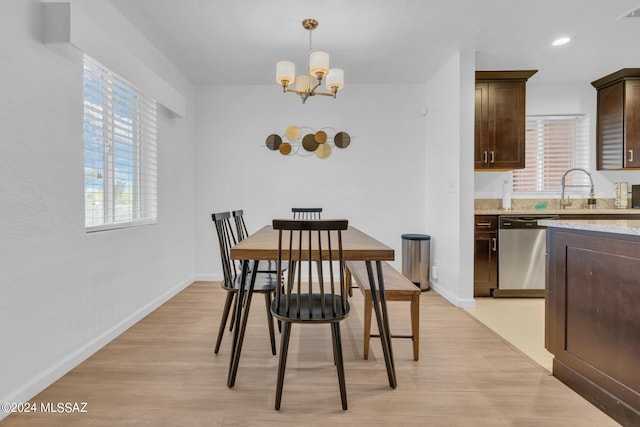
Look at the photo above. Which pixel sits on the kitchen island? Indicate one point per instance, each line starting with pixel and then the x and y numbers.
pixel 592 311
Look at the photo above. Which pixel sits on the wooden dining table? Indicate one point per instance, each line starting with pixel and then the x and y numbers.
pixel 356 246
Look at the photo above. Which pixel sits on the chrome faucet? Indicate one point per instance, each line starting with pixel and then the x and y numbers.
pixel 567 202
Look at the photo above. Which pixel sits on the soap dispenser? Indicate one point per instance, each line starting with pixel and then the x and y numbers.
pixel 506 195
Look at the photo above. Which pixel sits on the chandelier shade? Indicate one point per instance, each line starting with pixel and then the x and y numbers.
pixel 319 63
pixel 335 79
pixel 285 72
pixel 302 83
pixel 307 85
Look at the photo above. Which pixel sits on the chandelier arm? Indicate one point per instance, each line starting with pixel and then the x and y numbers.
pixel 300 92
pixel 331 94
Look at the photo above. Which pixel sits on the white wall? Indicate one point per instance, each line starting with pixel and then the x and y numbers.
pixel 449 179
pixel 65 293
pixel 569 98
pixel 377 183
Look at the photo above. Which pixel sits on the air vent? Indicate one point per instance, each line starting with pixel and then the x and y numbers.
pixel 635 13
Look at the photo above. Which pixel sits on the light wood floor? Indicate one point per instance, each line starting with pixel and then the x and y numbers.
pixel 520 321
pixel 162 372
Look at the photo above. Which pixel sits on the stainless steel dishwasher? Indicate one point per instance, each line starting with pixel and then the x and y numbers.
pixel 521 255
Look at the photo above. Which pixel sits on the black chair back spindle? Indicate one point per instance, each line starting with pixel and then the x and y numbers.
pixel 241 227
pixel 306 213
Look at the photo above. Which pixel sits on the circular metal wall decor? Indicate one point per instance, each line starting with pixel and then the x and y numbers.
pixel 323 151
pixel 318 142
pixel 292 133
pixel 273 142
pixel 320 137
pixel 309 143
pixel 285 148
pixel 342 140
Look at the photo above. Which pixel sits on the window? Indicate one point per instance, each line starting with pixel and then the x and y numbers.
pixel 554 144
pixel 120 151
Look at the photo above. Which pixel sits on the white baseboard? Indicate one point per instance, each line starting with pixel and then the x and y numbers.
pixel 210 277
pixel 453 299
pixel 56 371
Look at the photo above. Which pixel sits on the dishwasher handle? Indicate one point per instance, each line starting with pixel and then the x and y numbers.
pixel 524 222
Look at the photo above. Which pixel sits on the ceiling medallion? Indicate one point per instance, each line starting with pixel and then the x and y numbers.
pixel 312 142
pixel 307 85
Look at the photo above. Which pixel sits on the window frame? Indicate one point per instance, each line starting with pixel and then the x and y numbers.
pixel 119 151
pixel 580 157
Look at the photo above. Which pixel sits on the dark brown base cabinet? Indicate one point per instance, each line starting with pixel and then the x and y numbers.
pixel 485 260
pixel 592 315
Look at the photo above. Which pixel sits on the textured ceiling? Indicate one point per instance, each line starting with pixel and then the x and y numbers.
pixel 238 42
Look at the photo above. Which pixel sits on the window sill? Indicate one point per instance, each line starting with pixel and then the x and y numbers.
pixel 119 225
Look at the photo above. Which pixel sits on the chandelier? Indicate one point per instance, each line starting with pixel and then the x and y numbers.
pixel 306 85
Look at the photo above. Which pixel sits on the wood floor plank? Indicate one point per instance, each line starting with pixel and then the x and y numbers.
pixel 163 372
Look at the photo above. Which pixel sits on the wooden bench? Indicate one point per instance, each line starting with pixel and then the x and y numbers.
pixel 396 288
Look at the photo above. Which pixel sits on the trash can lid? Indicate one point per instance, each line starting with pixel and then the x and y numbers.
pixel 416 237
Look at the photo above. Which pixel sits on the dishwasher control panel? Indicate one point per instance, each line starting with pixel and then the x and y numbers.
pixel 523 222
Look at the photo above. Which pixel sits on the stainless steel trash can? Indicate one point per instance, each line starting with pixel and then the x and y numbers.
pixel 416 252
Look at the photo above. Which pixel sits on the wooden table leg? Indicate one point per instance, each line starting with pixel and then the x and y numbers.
pixel 415 324
pixel 368 307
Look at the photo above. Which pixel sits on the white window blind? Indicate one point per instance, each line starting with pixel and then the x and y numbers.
pixel 120 151
pixel 554 144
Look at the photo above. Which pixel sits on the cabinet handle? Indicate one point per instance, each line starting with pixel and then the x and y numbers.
pixel 493 157
pixel 483 224
pixel 495 244
pixel 485 159
pixel 630 156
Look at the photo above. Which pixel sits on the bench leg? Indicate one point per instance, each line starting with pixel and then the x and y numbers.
pixel 368 308
pixel 415 324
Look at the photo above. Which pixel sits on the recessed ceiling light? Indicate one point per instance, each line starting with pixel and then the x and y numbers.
pixel 560 41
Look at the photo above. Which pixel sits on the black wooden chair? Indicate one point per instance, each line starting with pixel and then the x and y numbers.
pixel 264 266
pixel 306 213
pixel 265 283
pixel 305 300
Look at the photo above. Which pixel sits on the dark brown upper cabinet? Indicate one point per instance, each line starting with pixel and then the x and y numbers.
pixel 500 119
pixel 618 120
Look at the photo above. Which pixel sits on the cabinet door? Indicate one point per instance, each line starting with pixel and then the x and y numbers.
pixel 610 138
pixel 485 267
pixel 481 153
pixel 506 125
pixel 632 124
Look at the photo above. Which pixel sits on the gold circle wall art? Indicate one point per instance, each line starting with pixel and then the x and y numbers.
pixel 304 141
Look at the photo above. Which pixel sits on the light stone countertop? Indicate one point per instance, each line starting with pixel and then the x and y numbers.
pixel 618 226
pixel 549 207
pixel 556 211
